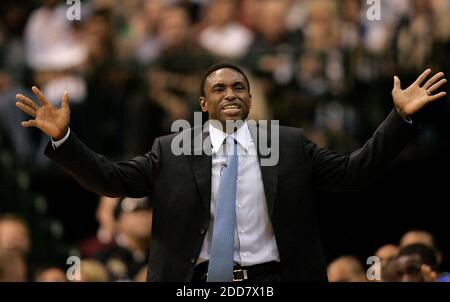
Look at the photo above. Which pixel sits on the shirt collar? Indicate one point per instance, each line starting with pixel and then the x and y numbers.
pixel 242 136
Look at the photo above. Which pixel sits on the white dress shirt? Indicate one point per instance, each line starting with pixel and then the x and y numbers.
pixel 254 240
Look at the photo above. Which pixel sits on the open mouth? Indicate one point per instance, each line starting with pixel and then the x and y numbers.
pixel 231 109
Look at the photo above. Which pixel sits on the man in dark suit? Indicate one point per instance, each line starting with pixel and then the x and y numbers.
pixel 274 226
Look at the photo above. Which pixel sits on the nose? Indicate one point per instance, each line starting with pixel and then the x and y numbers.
pixel 230 94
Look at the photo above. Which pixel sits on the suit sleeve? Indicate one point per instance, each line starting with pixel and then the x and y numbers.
pixel 335 172
pixel 133 178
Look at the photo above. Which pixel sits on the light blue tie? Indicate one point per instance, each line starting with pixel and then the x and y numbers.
pixel 220 268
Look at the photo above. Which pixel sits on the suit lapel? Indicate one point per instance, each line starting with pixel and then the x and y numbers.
pixel 201 164
pixel 269 173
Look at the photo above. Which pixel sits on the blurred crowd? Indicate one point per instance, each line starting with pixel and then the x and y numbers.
pixel 133 67
pixel 415 258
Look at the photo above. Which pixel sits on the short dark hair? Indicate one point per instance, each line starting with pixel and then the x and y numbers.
pixel 217 67
pixel 427 254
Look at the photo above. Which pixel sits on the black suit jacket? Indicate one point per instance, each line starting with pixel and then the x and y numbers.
pixel 180 187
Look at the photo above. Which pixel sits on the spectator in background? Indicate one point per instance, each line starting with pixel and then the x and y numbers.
pixel 173 80
pixel 14 234
pixel 296 17
pixel 13 267
pixel 148 47
pixel 414 263
pixel 417 236
pixel 106 231
pixel 130 252
pixel 362 65
pixel 271 58
pixel 93 271
pixel 248 13
pixel 222 35
pixel 346 269
pixel 417 25
pixel 422 36
pixel 50 274
pixel 418 260
pixel 51 43
pixel 320 74
pixel 386 253
pixel 319 67
pixel 272 52
pixel 105 217
pixel 427 22
pixel 108 85
pixel 13 71
pixel 54 51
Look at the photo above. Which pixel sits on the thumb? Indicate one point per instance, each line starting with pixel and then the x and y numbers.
pixel 427 273
pixel 397 83
pixel 65 99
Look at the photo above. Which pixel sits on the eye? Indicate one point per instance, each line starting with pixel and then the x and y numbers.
pixel 217 89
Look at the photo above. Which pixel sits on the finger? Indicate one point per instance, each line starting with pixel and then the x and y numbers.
pixel 29 123
pixel 27 101
pixel 65 100
pixel 433 277
pixel 436 96
pixel 437 85
pixel 40 95
pixel 433 80
pixel 430 99
pixel 397 83
pixel 427 273
pixel 422 77
pixel 27 109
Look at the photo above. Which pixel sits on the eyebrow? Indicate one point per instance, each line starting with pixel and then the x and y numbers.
pixel 221 84
pixel 217 85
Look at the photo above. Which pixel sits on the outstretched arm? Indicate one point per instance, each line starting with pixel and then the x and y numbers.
pixel 332 171
pixel 96 173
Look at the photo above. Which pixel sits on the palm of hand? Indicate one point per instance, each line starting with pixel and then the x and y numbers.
pixel 51 120
pixel 410 100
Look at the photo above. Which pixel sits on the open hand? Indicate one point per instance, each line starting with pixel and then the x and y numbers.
pixel 49 119
pixel 428 275
pixel 410 100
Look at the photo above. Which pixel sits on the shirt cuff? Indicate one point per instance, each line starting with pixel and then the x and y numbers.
pixel 408 120
pixel 58 143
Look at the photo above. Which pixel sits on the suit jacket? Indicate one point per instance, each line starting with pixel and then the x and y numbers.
pixel 180 188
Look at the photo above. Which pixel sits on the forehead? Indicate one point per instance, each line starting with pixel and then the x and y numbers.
pixel 10 223
pixel 224 75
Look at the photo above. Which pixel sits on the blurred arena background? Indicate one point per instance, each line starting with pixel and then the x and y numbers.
pixel 133 67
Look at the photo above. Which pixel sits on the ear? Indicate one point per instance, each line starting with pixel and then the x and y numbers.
pixel 203 104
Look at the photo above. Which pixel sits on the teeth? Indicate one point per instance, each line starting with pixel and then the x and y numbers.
pixel 231 107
